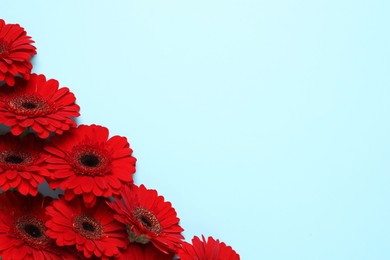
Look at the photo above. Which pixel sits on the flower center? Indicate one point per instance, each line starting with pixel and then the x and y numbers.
pixel 15 159
pixel 32 231
pixel 91 160
pixel 88 226
pixel 148 220
pixel 29 105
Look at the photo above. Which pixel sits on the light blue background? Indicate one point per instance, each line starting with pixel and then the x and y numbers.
pixel 265 123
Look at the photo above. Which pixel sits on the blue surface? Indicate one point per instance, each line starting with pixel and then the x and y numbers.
pixel 265 123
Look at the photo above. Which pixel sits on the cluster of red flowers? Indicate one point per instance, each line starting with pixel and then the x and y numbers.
pixel 101 214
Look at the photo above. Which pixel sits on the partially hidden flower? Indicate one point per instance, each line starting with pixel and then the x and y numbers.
pixel 16 50
pixel 94 231
pixel 38 104
pixel 149 219
pixel 21 163
pixel 137 251
pixel 22 229
pixel 210 249
pixel 86 161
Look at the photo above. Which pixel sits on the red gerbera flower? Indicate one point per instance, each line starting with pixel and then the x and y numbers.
pixel 84 162
pixel 148 218
pixel 22 229
pixel 15 52
pixel 21 163
pixel 137 251
pixel 93 230
pixel 206 250
pixel 38 104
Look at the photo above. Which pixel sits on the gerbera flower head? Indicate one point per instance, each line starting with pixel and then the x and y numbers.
pixel 85 161
pixel 22 229
pixel 94 231
pixel 148 218
pixel 206 250
pixel 38 104
pixel 16 50
pixel 21 163
pixel 137 251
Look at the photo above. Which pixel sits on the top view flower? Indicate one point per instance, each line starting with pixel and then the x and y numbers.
pixel 94 231
pixel 38 104
pixel 21 163
pixel 15 52
pixel 148 218
pixel 206 250
pixel 22 229
pixel 86 161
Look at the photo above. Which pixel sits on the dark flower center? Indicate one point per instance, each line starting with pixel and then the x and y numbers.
pixel 14 159
pixel 88 227
pixel 11 159
pixel 29 105
pixel 32 231
pixel 90 159
pixel 148 220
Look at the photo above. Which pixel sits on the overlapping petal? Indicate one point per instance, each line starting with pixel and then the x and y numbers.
pixel 38 104
pixel 21 163
pixel 137 251
pixel 93 231
pixel 22 229
pixel 210 249
pixel 86 161
pixel 149 218
pixel 16 50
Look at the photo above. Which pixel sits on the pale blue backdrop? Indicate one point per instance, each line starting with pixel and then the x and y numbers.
pixel 265 123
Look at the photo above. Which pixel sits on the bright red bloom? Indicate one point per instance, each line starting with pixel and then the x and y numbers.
pixel 15 52
pixel 94 231
pixel 137 251
pixel 22 229
pixel 84 161
pixel 38 104
pixel 148 218
pixel 21 163
pixel 206 250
